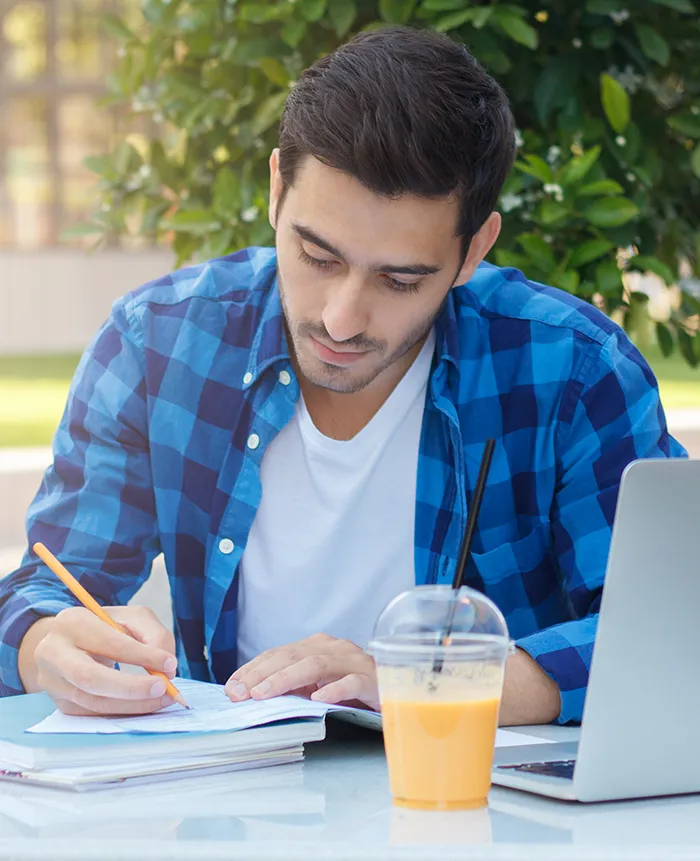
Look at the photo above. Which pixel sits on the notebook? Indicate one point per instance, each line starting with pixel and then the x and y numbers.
pixel 87 753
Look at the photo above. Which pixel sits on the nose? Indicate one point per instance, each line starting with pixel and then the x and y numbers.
pixel 346 314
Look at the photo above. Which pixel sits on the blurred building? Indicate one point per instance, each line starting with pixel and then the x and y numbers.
pixel 55 59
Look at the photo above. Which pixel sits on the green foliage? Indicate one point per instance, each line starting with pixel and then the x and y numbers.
pixel 606 95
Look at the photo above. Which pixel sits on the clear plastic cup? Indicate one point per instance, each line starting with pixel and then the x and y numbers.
pixel 440 701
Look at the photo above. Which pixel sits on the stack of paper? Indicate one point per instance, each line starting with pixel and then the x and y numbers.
pixel 214 735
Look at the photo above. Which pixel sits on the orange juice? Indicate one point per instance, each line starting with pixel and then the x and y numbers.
pixel 440 753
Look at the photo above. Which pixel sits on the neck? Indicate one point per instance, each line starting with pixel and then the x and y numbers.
pixel 342 416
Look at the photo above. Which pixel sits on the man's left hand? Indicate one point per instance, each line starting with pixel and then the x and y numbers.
pixel 325 668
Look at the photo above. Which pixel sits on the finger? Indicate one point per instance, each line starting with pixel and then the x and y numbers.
pixel 84 673
pixel 245 678
pixel 75 702
pixel 313 669
pixel 355 686
pixel 143 624
pixel 90 634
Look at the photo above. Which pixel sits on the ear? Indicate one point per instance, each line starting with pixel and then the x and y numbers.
pixel 482 242
pixel 275 186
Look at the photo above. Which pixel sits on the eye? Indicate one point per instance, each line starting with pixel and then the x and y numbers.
pixel 314 261
pixel 402 286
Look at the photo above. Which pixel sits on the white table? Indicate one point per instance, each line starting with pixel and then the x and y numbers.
pixel 335 806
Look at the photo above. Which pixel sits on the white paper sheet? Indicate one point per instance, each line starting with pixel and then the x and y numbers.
pixel 211 711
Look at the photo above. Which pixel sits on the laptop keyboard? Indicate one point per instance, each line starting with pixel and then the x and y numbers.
pixel 563 768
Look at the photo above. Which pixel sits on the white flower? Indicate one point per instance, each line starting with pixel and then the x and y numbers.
pixel 158 117
pixel 121 51
pixel 145 171
pixel 555 190
pixel 577 43
pixel 105 207
pixel 553 154
pixel 249 214
pixel 695 110
pixel 518 138
pixel 621 140
pixel 548 237
pixel 630 177
pixel 511 201
pixel 620 16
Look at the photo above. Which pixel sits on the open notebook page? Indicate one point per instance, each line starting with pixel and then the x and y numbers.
pixel 210 711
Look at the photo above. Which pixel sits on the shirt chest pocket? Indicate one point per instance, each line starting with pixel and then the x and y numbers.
pixel 516 566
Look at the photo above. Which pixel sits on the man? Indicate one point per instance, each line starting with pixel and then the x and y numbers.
pixel 299 431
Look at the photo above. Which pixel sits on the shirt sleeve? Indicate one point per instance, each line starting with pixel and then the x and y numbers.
pixel 610 415
pixel 95 508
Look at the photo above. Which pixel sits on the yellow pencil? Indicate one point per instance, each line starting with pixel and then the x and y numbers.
pixel 89 602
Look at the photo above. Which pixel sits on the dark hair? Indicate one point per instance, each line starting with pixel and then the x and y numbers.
pixel 404 111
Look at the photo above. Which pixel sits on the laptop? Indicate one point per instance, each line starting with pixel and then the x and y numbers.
pixel 639 735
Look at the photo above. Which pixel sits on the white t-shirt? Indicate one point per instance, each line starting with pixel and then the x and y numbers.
pixel 333 539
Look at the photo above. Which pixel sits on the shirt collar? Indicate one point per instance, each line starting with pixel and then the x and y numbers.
pixel 270 341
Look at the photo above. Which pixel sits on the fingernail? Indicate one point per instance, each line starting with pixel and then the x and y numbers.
pixel 167 701
pixel 170 665
pixel 240 690
pixel 158 688
pixel 261 689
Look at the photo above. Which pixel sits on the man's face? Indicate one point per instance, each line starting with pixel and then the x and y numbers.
pixel 361 277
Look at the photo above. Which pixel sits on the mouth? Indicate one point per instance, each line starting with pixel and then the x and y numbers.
pixel 342 358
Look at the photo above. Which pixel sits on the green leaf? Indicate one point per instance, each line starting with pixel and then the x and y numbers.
pixel 602 38
pixel 126 158
pixel 476 17
pixel 312 10
pixel 589 251
pixel 268 113
pixel 396 11
pixel 342 14
pixel 510 259
pixel 687 347
pixel 653 43
pixel 578 167
pixel 568 280
pixel 537 167
pixel 615 101
pixel 293 32
pixel 100 164
pixel 695 161
pixel 677 5
pixel 537 250
pixel 647 263
pixel 664 338
pixel 518 30
pixel 610 212
pixel 608 278
pixel 550 213
pixel 227 193
pixel 599 188
pixel 687 123
pixel 166 172
pixel 442 5
pixel 115 27
pixel 197 222
pixel 555 84
pixel 274 71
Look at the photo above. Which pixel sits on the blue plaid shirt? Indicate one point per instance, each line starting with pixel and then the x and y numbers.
pixel 156 452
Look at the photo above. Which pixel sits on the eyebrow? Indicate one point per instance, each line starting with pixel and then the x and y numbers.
pixel 409 269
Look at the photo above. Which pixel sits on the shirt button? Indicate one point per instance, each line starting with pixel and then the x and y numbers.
pixel 247 379
pixel 226 546
pixel 285 378
pixel 253 441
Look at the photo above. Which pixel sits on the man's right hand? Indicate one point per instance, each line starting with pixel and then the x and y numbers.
pixel 71 656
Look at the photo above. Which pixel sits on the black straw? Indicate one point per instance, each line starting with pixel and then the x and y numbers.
pixel 465 549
